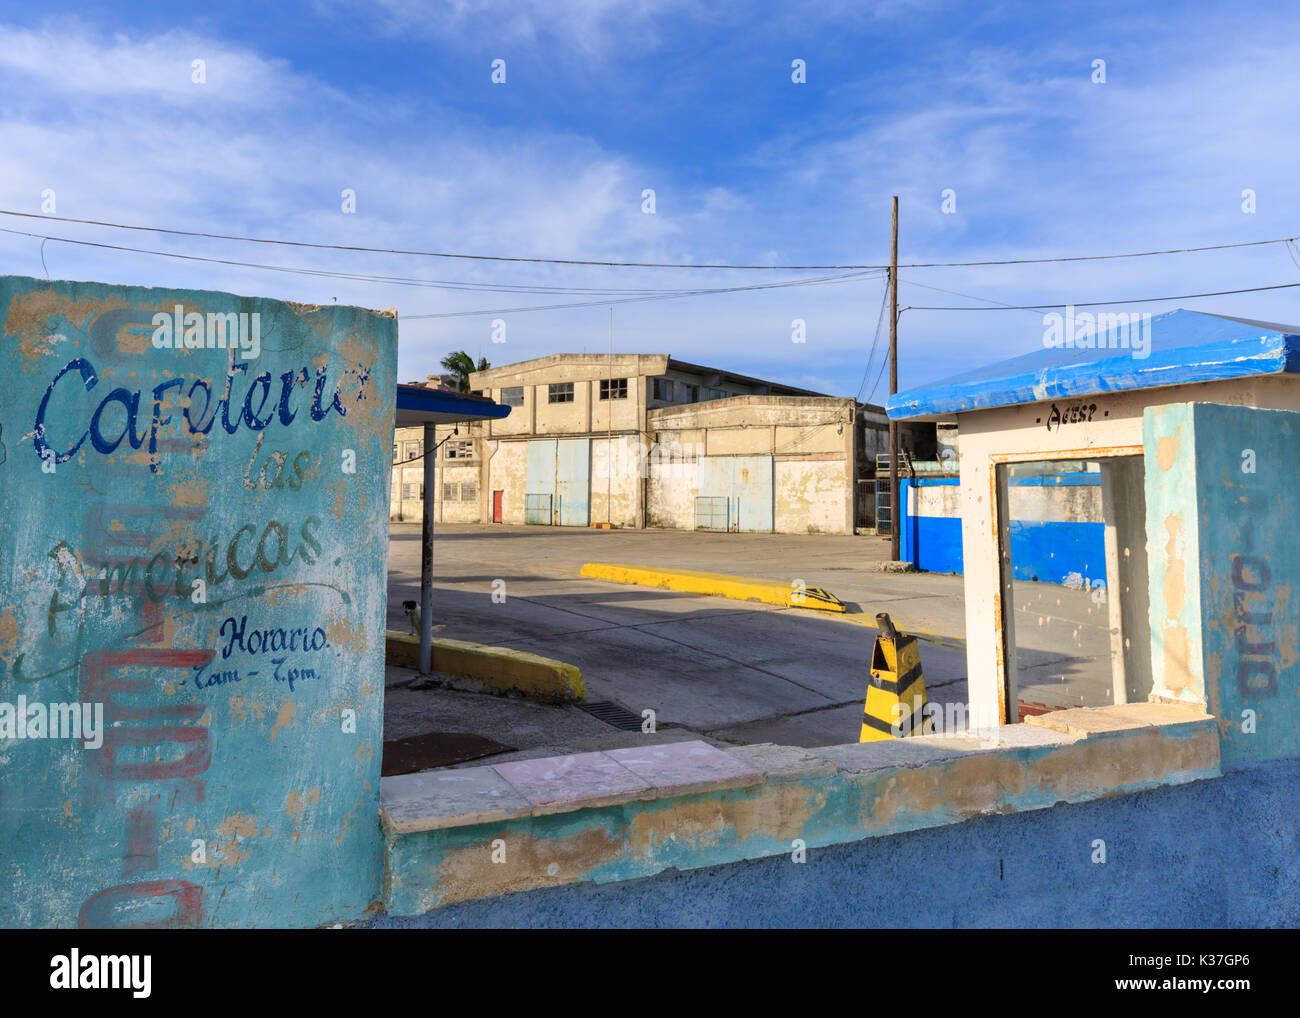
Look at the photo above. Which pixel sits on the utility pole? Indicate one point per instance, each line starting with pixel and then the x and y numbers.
pixel 609 428
pixel 893 382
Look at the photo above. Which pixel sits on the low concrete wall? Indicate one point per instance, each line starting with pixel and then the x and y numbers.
pixel 1164 866
pixel 634 812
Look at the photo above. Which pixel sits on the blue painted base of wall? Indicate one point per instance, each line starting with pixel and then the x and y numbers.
pixel 933 543
pixel 1219 853
pixel 1049 552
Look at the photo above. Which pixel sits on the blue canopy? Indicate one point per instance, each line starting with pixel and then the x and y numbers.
pixel 1174 348
pixel 418 405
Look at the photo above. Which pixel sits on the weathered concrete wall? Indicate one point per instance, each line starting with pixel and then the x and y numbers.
pixel 810 440
pixel 406 443
pixel 810 496
pixel 197 541
pixel 1224 564
pixel 508 471
pixel 464 501
pixel 1114 426
pixel 616 468
pixel 1210 854
pixel 588 412
pixel 459 495
pixel 632 812
pixel 671 490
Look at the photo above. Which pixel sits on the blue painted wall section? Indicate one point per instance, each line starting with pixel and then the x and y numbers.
pixel 931 543
pixel 1165 867
pixel 1050 551
pixel 194 540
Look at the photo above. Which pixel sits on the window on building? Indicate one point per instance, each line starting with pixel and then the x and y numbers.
pixel 450 491
pixel 1072 547
pixel 690 393
pixel 459 449
pixel 664 389
pixel 469 491
pixel 414 449
pixel 513 396
pixel 412 492
pixel 716 394
pixel 613 388
pixel 560 392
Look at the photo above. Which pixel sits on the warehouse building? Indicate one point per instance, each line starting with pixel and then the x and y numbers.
pixel 646 440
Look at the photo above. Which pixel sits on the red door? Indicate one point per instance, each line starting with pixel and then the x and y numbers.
pixel 496 505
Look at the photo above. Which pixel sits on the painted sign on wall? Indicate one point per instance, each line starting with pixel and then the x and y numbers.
pixel 193 557
pixel 1224 623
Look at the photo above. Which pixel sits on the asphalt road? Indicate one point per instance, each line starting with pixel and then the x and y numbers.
pixel 731 670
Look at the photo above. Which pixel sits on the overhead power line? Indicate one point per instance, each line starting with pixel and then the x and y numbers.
pixel 639 295
pixel 635 265
pixel 875 341
pixel 1103 303
pixel 816 281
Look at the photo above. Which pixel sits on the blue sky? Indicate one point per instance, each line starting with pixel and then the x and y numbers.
pixel 394 100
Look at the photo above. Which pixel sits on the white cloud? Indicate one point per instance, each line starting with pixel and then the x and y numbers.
pixel 1043 163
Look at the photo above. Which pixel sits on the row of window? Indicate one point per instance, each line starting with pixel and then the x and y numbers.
pixel 665 390
pixel 466 491
pixel 453 449
pixel 669 391
pixel 562 392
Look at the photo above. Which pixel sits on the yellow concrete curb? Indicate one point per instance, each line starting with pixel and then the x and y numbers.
pixel 539 678
pixel 739 588
pixel 746 588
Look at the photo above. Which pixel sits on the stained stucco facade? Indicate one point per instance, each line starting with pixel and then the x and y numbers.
pixel 637 440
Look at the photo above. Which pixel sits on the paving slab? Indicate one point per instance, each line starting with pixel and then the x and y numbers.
pixel 1022 735
pixel 863 757
pixel 1086 721
pixel 1161 713
pixel 565 783
pixel 782 761
pixel 682 768
pixel 432 800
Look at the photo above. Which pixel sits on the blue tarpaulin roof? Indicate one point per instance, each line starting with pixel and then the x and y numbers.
pixel 1175 348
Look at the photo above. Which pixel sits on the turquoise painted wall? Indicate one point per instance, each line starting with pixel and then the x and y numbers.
pixel 195 540
pixel 1166 865
pixel 1222 489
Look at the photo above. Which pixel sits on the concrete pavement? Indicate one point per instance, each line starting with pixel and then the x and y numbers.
pixel 731 670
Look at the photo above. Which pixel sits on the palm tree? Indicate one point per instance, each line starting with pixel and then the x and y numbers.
pixel 462 365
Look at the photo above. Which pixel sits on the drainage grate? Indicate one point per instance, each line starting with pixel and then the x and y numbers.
pixel 436 749
pixel 613 714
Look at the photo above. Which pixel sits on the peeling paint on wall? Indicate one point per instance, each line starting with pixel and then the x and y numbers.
pixel 197 541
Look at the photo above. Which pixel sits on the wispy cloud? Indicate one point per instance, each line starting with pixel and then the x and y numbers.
pixel 1042 161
